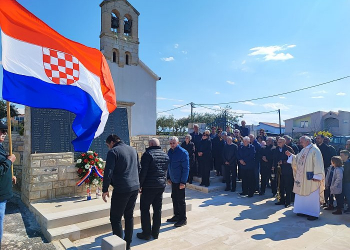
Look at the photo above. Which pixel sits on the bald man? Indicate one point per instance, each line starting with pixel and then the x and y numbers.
pixel 154 166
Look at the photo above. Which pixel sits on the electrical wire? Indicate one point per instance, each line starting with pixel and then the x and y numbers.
pixel 269 96
pixel 173 108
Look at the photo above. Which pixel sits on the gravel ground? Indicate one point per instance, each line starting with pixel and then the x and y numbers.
pixel 21 231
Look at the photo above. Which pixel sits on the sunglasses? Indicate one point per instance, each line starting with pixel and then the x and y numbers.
pixel 4 131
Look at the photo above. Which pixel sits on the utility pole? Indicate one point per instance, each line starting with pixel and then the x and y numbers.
pixel 192 106
pixel 279 116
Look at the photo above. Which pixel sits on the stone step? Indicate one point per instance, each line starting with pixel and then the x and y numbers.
pixel 97 226
pixel 85 213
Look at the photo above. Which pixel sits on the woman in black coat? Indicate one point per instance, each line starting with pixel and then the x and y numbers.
pixel 189 146
pixel 205 157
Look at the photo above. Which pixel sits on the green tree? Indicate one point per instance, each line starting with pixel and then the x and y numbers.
pixel 3 110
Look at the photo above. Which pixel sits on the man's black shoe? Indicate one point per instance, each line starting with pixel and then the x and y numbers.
pixel 201 184
pixel 127 246
pixel 181 223
pixel 207 185
pixel 143 237
pixel 173 219
pixel 261 193
pixel 227 189
pixel 243 194
pixel 312 218
pixel 233 190
pixel 250 196
pixel 302 215
pixel 279 203
pixel 155 236
pixel 287 205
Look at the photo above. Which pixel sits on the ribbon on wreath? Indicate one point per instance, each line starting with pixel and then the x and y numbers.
pixel 79 183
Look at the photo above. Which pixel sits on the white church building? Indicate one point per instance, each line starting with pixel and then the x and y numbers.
pixel 135 83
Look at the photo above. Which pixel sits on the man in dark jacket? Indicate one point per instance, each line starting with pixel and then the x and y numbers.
pixel 204 158
pixel 246 158
pixel 178 170
pixel 5 177
pixel 289 142
pixel 218 144
pixel 122 172
pixel 243 129
pixel 257 158
pixel 229 156
pixel 286 173
pixel 196 138
pixel 266 164
pixel 190 148
pixel 153 178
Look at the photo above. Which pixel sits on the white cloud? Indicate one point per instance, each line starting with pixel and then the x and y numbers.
pixel 169 99
pixel 270 52
pixel 243 62
pixel 168 59
pixel 341 93
pixel 184 52
pixel 230 82
pixel 320 92
pixel 249 103
pixel 217 93
pixel 317 97
pixel 282 97
pixel 275 106
pixel 176 45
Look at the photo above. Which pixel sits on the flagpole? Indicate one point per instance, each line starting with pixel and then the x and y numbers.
pixel 9 131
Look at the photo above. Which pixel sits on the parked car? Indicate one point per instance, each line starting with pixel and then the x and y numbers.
pixel 338 142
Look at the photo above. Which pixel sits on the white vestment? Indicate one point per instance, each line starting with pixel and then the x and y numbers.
pixel 308 204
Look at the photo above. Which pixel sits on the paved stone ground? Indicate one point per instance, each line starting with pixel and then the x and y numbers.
pixel 21 231
pixel 224 220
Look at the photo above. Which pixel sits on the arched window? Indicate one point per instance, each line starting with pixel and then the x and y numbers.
pixel 115 56
pixel 127 58
pixel 127 25
pixel 115 21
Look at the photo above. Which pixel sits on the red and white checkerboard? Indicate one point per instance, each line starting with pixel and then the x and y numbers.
pixel 60 67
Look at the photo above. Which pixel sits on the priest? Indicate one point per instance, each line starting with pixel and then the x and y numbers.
pixel 308 179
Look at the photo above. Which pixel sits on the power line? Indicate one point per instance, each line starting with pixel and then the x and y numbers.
pixel 173 108
pixel 284 93
pixel 266 112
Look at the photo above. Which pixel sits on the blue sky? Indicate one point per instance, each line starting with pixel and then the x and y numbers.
pixel 234 50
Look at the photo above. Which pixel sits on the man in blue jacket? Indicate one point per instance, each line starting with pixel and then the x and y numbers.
pixel 246 158
pixel 178 171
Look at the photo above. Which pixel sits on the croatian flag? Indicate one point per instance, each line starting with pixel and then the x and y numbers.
pixel 43 69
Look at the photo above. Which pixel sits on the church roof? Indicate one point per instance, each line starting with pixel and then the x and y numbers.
pixel 149 71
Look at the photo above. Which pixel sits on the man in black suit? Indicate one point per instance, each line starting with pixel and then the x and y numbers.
pixel 266 165
pixel 286 173
pixel 196 139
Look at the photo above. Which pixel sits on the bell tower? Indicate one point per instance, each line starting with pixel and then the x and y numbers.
pixel 119 40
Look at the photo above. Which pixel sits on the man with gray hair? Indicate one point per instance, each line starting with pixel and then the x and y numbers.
pixel 154 166
pixel 289 142
pixel 178 171
pixel 308 179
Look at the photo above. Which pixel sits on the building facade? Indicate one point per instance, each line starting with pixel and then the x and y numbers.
pixel 338 123
pixel 135 83
pixel 270 128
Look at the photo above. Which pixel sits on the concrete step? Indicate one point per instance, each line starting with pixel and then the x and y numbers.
pixel 85 213
pixel 97 226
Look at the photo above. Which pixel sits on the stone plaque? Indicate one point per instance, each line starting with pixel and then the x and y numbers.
pixel 51 131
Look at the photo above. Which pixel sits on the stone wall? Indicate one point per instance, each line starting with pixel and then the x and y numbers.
pixel 17 150
pixel 50 176
pixel 140 143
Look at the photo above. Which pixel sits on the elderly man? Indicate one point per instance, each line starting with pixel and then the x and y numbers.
pixel 257 147
pixel 347 145
pixel 153 178
pixel 122 172
pixel 244 130
pixel 5 177
pixel 189 146
pixel 246 158
pixel 218 144
pixel 308 179
pixel 289 142
pixel 229 156
pixel 178 171
pixel 286 180
pixel 266 165
pixel 196 138
pixel 204 158
pixel 326 141
pixel 213 133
